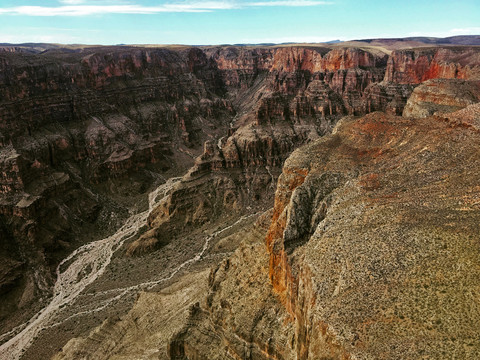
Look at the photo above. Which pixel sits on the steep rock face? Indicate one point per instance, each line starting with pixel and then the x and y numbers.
pixel 84 131
pixel 413 66
pixel 74 125
pixel 357 220
pixel 388 97
pixel 239 66
pixel 234 176
pixel 36 229
pixel 26 75
pixel 240 318
pixel 367 226
pixel 443 96
pixel 347 71
pixel 409 67
pixel 289 96
pixel 134 95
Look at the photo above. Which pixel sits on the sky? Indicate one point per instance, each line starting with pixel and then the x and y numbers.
pixel 199 22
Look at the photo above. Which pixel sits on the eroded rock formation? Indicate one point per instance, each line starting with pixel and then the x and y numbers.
pixel 86 131
pixel 441 95
pixel 361 249
pixel 413 66
pixel 289 96
pixel 83 133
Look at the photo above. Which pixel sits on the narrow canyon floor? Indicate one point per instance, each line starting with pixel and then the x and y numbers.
pixel 98 282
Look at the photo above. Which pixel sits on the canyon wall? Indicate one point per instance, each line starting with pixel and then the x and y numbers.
pixel 85 132
pixel 413 66
pixel 286 97
pixel 366 253
pixel 83 135
pixel 441 96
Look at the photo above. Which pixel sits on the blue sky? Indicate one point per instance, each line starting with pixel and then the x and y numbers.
pixel 198 22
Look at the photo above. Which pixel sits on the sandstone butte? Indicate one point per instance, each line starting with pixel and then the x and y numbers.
pixel 370 250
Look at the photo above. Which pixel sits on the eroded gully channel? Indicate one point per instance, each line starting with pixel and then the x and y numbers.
pixel 83 267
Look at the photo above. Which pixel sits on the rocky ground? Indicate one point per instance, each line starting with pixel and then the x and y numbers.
pixel 86 133
pixel 372 252
pixel 441 96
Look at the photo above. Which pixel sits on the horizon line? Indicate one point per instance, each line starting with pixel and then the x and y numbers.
pixel 265 43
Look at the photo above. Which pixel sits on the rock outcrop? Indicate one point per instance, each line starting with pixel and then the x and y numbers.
pixel 286 97
pixel 372 231
pixel 413 66
pixel 139 334
pixel 441 95
pixel 300 93
pixel 82 134
pixel 240 318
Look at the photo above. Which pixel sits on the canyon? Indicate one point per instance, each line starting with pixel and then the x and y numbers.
pixel 246 202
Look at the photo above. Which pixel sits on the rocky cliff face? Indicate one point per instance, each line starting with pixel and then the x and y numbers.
pixel 361 248
pixel 121 339
pixel 441 95
pixel 246 324
pixel 418 65
pixel 286 97
pixel 82 134
pixel 85 132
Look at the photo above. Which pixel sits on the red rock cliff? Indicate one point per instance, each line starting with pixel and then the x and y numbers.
pixel 416 66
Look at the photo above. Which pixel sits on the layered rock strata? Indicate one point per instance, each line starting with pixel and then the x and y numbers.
pixel 138 334
pixel 286 97
pixel 413 66
pixel 85 132
pixel 372 251
pixel 443 96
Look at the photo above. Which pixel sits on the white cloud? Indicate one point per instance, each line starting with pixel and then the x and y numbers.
pixel 80 8
pixel 83 10
pixel 290 3
pixel 71 2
